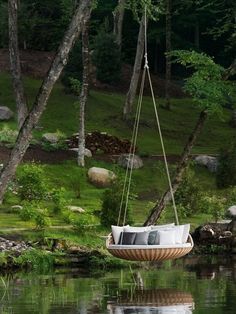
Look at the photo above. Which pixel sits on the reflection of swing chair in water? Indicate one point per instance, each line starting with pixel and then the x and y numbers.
pixel 157 301
pixel 134 244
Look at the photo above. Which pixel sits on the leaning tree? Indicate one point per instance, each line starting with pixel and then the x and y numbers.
pixel 208 87
pixel 60 60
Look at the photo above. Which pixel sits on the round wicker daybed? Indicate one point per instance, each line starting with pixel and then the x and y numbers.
pixel 148 252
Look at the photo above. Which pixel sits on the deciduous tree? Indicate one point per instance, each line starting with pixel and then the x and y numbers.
pixel 25 133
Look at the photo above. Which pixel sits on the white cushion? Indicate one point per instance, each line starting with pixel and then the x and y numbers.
pixel 186 233
pixel 179 232
pixel 116 231
pixel 166 236
pixel 136 229
pixel 157 227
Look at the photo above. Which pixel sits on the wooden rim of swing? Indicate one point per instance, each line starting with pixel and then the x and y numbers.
pixel 148 252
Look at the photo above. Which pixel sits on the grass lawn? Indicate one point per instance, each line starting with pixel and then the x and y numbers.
pixel 104 113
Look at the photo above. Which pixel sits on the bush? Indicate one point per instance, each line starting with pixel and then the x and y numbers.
pixel 32 182
pixel 111 201
pixel 34 211
pixel 42 220
pixel 188 195
pixel 107 58
pixel 28 212
pixel 213 205
pixel 226 171
pixel 84 221
pixel 7 135
pixel 59 200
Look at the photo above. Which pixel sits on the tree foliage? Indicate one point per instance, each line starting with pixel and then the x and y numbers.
pixel 206 84
pixel 107 58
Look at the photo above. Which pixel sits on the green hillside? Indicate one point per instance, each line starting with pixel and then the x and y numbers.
pixel 104 113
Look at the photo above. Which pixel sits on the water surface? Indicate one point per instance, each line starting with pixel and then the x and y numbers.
pixel 191 285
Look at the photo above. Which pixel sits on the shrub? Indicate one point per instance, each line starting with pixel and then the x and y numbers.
pixel 28 212
pixel 34 211
pixel 7 135
pixel 107 58
pixel 187 195
pixel 111 201
pixel 41 219
pixel 59 200
pixel 226 171
pixel 32 182
pixel 84 221
pixel 213 205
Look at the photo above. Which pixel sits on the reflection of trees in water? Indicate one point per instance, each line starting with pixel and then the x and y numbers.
pixel 209 267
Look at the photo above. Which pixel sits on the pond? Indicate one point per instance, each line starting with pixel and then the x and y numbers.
pixel 189 285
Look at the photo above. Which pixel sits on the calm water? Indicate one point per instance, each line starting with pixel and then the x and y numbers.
pixel 193 285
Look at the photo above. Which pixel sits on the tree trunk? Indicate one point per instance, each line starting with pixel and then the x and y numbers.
pixel 21 105
pixel 118 22
pixel 84 92
pixel 60 60
pixel 168 58
pixel 166 198
pixel 130 97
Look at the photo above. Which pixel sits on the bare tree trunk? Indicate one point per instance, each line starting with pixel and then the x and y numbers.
pixel 21 105
pixel 60 60
pixel 130 97
pixel 118 22
pixel 84 92
pixel 166 198
pixel 168 58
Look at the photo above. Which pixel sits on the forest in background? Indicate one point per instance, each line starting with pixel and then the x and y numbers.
pixel 204 25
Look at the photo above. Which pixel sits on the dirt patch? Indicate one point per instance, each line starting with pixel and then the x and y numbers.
pixel 37 154
pixel 33 63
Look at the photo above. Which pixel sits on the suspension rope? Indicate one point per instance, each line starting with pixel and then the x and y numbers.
pixel 131 152
pixel 163 149
pixel 130 163
pixel 134 145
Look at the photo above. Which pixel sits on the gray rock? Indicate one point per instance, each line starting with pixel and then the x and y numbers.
pixel 211 163
pixel 17 247
pixel 51 138
pixel 76 209
pixel 87 152
pixel 231 211
pixel 5 113
pixel 17 207
pixel 123 161
pixel 101 177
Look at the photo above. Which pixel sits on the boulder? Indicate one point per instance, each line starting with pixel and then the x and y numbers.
pixel 211 163
pixel 76 209
pixel 17 207
pixel 87 152
pixel 51 138
pixel 5 113
pixel 101 177
pixel 231 211
pixel 123 161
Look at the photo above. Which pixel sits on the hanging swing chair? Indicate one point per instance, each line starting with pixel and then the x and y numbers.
pixel 146 252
